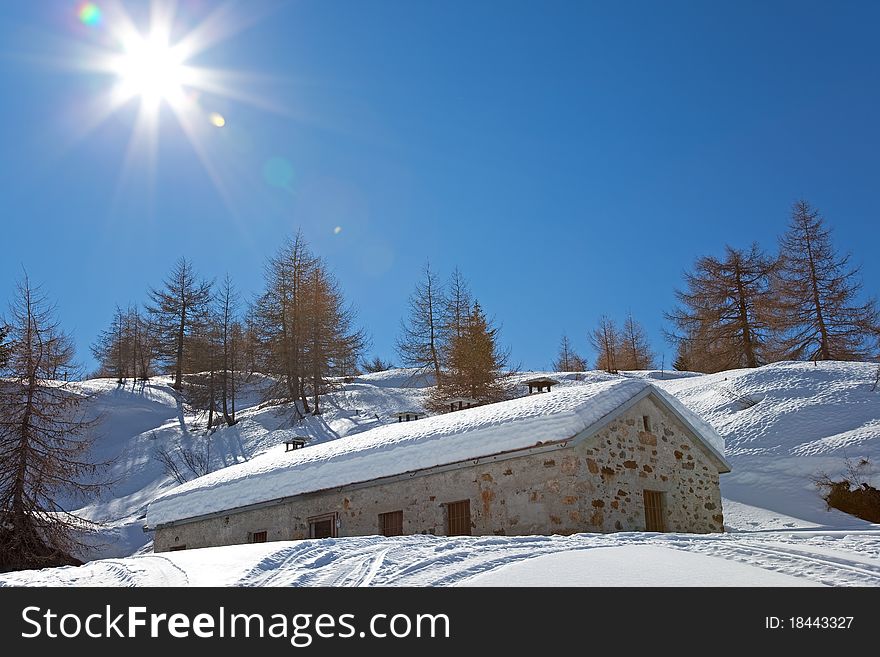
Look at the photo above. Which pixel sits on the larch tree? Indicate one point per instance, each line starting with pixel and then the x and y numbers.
pixel 229 335
pixel 820 314
pixel 304 331
pixel 634 351
pixel 376 365
pixel 45 436
pixel 175 310
pixel 280 324
pixel 112 348
pixel 4 348
pixel 568 360
pixel 458 303
pixel 421 332
pixel 725 310
pixel 476 363
pixel 605 339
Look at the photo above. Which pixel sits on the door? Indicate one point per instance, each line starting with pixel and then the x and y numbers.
pixel 654 507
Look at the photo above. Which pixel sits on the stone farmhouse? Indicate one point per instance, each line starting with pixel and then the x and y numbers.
pixel 614 455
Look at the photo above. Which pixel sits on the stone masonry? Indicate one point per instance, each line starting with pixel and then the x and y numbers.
pixel 594 486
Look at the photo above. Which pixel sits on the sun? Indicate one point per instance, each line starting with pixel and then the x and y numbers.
pixel 152 69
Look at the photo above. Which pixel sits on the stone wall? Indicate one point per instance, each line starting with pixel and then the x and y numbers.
pixel 594 486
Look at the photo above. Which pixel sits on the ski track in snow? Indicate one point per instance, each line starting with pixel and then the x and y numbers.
pixel 829 558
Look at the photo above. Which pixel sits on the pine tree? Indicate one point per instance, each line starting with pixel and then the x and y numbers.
pixel 819 314
pixel 725 311
pixel 45 435
pixel 634 352
pixel 568 359
pixel 420 341
pixel 605 339
pixel 476 364
pixel 175 310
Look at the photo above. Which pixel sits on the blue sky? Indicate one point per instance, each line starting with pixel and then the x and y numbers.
pixel 572 158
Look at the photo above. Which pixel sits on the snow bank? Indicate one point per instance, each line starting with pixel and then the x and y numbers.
pixel 404 447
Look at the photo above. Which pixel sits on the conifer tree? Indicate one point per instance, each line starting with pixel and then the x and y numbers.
pixel 634 351
pixel 605 339
pixel 820 313
pixel 725 310
pixel 45 435
pixel 175 310
pixel 568 359
pixel 421 333
pixel 476 363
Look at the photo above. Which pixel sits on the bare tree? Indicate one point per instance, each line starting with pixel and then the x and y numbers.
pixel 568 359
pixel 45 436
pixel 175 309
pixel 819 314
pixel 227 332
pixel 419 344
pixel 635 352
pixel 724 312
pixel 605 339
pixel 111 349
pixel 457 307
pixel 376 365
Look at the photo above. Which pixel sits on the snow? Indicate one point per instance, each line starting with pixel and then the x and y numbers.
pixel 647 565
pixel 782 424
pixel 409 446
pixel 795 557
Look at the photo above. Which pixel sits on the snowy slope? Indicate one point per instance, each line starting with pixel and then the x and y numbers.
pixel 625 559
pixel 783 424
pixel 139 419
pixel 807 418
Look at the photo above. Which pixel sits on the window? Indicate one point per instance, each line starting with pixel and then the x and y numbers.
pixel 323 526
pixel 654 505
pixel 647 422
pixel 458 518
pixel 259 537
pixel 391 524
pixel 177 548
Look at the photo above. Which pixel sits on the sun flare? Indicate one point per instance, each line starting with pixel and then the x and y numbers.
pixel 151 69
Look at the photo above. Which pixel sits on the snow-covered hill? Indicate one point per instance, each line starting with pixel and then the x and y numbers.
pixel 783 424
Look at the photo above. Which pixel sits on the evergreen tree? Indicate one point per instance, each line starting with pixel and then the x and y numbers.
pixel 45 435
pixel 820 316
pixel 421 333
pixel 724 312
pixel 175 310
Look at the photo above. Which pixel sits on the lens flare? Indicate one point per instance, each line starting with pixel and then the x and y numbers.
pixel 217 119
pixel 90 14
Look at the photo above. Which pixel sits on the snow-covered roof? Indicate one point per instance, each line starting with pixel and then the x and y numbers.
pixel 411 446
